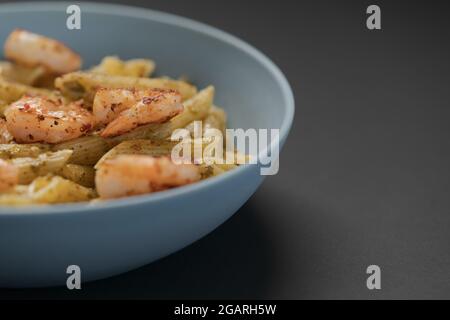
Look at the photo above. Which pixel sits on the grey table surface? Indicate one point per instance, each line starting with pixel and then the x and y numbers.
pixel 364 176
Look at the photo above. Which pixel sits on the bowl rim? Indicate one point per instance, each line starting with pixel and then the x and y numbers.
pixel 177 21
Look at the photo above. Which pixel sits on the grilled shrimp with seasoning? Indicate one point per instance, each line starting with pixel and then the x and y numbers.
pixel 40 119
pixel 31 50
pixel 125 109
pixel 9 175
pixel 128 175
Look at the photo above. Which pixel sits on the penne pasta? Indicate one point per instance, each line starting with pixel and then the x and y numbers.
pixel 114 66
pixel 30 168
pixel 20 74
pixel 216 119
pixel 85 150
pixel 47 190
pixel 11 151
pixel 83 85
pixel 54 189
pixel 82 175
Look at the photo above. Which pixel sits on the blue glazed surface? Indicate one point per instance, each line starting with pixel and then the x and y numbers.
pixel 37 244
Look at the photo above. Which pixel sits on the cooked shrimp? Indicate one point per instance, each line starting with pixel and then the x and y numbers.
pixel 128 175
pixel 30 49
pixel 125 109
pixel 5 136
pixel 109 103
pixel 40 119
pixel 9 175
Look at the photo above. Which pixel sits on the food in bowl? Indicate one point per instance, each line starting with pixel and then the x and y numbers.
pixel 68 135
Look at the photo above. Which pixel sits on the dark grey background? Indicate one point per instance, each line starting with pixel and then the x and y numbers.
pixel 364 175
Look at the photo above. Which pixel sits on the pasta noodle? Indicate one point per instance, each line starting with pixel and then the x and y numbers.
pixel 47 190
pixel 85 150
pixel 20 74
pixel 83 175
pixel 113 66
pixel 30 168
pixel 83 85
pixel 11 151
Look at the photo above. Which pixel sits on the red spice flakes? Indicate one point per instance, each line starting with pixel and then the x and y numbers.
pixel 150 100
pixel 85 127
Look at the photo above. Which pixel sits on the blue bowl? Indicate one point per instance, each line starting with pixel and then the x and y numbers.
pixel 37 244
